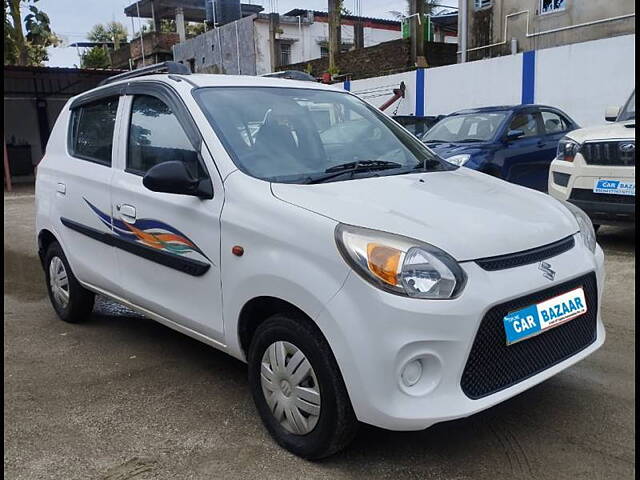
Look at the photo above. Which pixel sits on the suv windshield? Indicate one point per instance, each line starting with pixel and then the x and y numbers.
pixel 470 127
pixel 629 110
pixel 297 135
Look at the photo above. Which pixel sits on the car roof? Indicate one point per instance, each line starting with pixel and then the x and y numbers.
pixel 501 108
pixel 220 80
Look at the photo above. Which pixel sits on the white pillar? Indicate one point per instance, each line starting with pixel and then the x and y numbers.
pixel 180 24
pixel 462 11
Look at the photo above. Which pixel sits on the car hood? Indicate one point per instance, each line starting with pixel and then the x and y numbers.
pixel 446 150
pixel 615 130
pixel 466 213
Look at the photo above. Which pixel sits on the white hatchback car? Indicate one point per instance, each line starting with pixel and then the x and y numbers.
pixel 360 276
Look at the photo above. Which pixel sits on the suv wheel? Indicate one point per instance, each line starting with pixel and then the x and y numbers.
pixel 298 389
pixel 72 302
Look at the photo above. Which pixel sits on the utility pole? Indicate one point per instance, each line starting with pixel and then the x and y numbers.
pixel 334 33
pixel 416 13
pixel 462 13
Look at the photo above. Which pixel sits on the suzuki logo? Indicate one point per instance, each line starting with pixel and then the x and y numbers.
pixel 547 272
pixel 627 147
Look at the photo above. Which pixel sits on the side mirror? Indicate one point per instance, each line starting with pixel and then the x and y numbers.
pixel 173 177
pixel 514 134
pixel 611 113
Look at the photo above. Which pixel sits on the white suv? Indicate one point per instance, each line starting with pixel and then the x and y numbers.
pixel 595 168
pixel 360 276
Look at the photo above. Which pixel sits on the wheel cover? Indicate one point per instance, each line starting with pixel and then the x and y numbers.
pixel 59 282
pixel 290 387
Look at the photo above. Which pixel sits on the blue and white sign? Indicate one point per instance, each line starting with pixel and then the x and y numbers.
pixel 618 187
pixel 537 318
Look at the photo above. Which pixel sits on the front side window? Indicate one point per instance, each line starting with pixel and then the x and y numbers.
pixel 527 123
pixel 554 123
pixel 296 135
pixel 91 132
pixel 549 6
pixel 156 136
pixel 466 128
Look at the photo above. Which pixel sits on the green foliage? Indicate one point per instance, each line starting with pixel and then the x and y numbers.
pixel 112 32
pixel 96 57
pixel 308 69
pixel 26 44
pixel 168 25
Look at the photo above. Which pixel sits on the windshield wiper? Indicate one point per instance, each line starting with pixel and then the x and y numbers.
pixel 352 167
pixel 428 140
pixel 469 140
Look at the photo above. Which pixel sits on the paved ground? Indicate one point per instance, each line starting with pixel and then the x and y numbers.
pixel 123 397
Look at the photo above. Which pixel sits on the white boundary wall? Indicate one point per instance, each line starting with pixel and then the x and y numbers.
pixel 582 79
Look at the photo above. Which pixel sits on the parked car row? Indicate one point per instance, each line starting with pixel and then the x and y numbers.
pixel 543 148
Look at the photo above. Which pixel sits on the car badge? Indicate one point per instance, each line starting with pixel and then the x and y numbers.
pixel 546 270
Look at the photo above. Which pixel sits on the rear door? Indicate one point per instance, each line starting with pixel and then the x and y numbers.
pixel 523 158
pixel 82 201
pixel 169 245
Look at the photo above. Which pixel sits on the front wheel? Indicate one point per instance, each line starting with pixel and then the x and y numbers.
pixel 298 389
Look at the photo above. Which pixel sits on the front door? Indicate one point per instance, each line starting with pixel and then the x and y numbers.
pixel 169 257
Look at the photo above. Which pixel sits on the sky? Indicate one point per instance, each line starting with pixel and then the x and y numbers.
pixel 72 19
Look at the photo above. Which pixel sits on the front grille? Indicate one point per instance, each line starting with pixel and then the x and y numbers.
pixel 582 194
pixel 493 365
pixel 526 257
pixel 619 153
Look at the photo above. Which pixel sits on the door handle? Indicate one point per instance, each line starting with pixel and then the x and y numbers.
pixel 61 188
pixel 127 212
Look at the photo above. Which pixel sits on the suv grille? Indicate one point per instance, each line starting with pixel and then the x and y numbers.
pixel 493 366
pixel 526 257
pixel 582 194
pixel 619 153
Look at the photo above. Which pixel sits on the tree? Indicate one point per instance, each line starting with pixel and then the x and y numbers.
pixel 96 57
pixel 110 32
pixel 30 48
pixel 431 7
pixel 168 25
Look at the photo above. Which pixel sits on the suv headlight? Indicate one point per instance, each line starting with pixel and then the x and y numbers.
pixel 567 149
pixel 586 226
pixel 400 265
pixel 459 160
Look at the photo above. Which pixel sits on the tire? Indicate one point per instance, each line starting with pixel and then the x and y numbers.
pixel 79 301
pixel 318 435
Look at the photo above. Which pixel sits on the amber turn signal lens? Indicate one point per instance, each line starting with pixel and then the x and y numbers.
pixel 384 262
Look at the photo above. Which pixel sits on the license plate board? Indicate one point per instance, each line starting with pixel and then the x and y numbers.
pixel 540 317
pixel 612 186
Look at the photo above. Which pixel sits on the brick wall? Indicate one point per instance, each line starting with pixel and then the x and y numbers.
pixel 384 58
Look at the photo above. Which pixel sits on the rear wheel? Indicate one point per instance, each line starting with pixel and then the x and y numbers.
pixel 298 389
pixel 72 302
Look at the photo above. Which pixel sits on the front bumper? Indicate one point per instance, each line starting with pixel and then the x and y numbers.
pixel 603 209
pixel 374 334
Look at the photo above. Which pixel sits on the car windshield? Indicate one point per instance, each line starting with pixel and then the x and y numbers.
pixel 296 135
pixel 469 127
pixel 629 110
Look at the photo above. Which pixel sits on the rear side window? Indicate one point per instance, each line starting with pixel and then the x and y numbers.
pixel 554 123
pixel 156 136
pixel 91 135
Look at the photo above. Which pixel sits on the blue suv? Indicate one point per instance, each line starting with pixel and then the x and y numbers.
pixel 515 143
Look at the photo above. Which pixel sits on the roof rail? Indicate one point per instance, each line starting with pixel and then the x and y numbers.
pixel 164 67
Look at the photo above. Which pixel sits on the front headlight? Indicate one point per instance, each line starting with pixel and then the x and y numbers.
pixel 399 264
pixel 459 160
pixel 586 226
pixel 567 149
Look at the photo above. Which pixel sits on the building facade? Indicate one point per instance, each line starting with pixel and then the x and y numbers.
pixel 502 27
pixel 263 42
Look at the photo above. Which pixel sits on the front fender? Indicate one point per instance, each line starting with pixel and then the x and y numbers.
pixel 289 253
